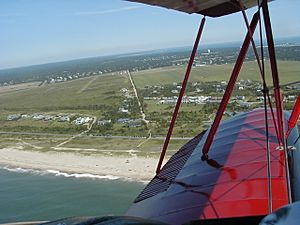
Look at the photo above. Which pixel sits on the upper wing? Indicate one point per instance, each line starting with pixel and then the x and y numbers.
pixel 213 8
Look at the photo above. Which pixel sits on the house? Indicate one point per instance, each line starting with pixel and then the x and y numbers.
pixel 79 121
pixel 291 98
pixel 25 116
pixel 103 122
pixel 13 117
pixel 260 98
pixel 245 104
pixel 38 117
pixel 123 110
pixel 64 119
pixel 48 117
pixel 240 98
pixel 123 120
pixel 135 123
pixel 87 119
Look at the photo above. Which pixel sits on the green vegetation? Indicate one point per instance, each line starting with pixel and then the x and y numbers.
pixel 288 71
pixel 102 93
pixel 30 141
pixel 108 98
pixel 193 118
pixel 89 145
pixel 40 127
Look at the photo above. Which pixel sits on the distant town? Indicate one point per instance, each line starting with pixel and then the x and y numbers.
pixel 71 70
pixel 199 93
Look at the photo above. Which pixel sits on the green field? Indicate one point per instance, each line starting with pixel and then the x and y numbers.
pixel 100 96
pixel 89 145
pixel 288 72
pixel 104 90
pixel 93 96
pixel 79 95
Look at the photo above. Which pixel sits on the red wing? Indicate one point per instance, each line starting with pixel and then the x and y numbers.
pixel 232 183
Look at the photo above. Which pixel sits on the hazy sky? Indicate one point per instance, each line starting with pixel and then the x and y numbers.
pixel 41 31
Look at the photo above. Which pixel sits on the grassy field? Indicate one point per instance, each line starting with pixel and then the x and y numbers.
pixel 123 146
pixel 89 145
pixel 100 96
pixel 30 142
pixel 92 96
pixel 104 90
pixel 288 72
pixel 193 122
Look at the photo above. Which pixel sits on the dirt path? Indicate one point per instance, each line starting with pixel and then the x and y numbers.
pixel 141 110
pixel 137 97
pixel 87 84
pixel 89 127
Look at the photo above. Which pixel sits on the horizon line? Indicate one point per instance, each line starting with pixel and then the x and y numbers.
pixel 135 52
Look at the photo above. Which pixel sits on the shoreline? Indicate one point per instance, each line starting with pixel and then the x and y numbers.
pixel 140 169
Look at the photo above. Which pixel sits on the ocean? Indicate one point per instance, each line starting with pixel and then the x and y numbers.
pixel 30 195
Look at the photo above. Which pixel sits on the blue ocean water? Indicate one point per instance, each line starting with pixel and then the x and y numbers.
pixel 33 195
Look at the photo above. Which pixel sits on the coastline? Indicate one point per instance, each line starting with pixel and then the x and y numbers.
pixel 77 165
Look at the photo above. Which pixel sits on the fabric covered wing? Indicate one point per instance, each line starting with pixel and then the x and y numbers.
pixel 213 8
pixel 233 183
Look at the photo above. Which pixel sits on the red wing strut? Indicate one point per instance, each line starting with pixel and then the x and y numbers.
pixel 294 116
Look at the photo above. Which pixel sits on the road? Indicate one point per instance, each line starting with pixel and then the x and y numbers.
pixel 137 97
pixel 141 110
pixel 113 137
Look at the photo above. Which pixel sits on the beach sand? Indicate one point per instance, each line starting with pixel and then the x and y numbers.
pixel 134 168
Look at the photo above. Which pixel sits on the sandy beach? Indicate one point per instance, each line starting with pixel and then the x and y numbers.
pixel 134 168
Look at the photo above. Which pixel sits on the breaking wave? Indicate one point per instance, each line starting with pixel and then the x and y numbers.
pixel 82 175
pixel 60 173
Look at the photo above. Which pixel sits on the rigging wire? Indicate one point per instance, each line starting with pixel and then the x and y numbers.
pixel 278 97
pixel 260 64
pixel 265 93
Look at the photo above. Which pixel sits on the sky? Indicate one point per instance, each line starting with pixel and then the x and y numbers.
pixel 41 31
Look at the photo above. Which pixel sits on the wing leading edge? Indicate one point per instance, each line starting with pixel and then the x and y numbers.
pixel 212 8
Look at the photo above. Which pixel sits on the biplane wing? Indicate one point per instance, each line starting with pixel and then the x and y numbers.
pixel 212 8
pixel 251 168
pixel 229 187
